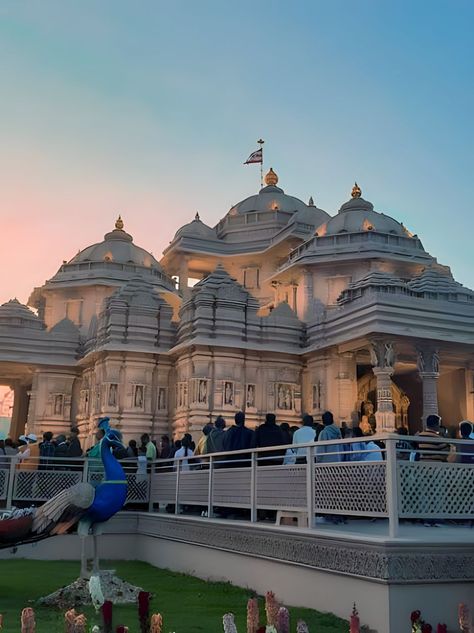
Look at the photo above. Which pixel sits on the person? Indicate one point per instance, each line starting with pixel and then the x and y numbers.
pixel 150 447
pixel 10 449
pixel 239 438
pixel 93 456
pixel 471 435
pixel 302 436
pixel 431 451
pixel 166 452
pixel 185 451
pixel 60 452
pixel 215 439
pixel 201 445
pixel 74 447
pixel 166 449
pixel 356 448
pixel 285 429
pixel 373 452
pixel 141 464
pixel 269 434
pixel 30 454
pixel 318 427
pixel 465 451
pixel 329 452
pixel 132 450
pixel 404 447
pixel 47 450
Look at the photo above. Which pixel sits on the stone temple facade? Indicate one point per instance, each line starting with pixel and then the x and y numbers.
pixel 280 307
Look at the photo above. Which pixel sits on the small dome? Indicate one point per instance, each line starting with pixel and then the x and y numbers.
pixel 269 198
pixel 117 247
pixel 196 228
pixel 312 216
pixel 15 313
pixel 358 215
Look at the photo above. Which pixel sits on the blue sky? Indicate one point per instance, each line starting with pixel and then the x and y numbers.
pixel 150 108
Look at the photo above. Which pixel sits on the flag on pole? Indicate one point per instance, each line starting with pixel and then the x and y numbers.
pixel 255 157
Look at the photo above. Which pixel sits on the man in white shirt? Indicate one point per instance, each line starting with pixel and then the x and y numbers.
pixel 302 436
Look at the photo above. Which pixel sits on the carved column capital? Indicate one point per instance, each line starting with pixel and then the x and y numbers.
pixel 382 355
pixel 427 360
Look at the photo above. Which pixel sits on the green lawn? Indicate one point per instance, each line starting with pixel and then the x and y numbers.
pixel 187 604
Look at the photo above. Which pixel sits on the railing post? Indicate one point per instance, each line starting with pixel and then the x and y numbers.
pixel 11 481
pixel 85 470
pixel 310 485
pixel 391 486
pixel 253 488
pixel 210 485
pixel 176 495
pixel 149 486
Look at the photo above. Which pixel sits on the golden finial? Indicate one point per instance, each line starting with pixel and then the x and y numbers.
pixel 196 217
pixel 356 191
pixel 119 223
pixel 271 178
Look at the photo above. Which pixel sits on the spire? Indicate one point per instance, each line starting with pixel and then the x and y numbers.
pixel 356 191
pixel 196 217
pixel 311 202
pixel 119 223
pixel 271 178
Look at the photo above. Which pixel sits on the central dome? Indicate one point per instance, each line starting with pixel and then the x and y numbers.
pixel 269 198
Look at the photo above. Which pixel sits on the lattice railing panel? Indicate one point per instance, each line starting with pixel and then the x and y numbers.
pixel 137 489
pixel 3 484
pixel 40 485
pixel 351 488
pixel 231 487
pixel 194 487
pixel 281 487
pixel 137 486
pixel 436 490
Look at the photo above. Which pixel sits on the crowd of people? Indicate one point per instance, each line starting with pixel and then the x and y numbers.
pixel 216 438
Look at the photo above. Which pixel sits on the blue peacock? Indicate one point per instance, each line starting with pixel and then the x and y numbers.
pixel 80 504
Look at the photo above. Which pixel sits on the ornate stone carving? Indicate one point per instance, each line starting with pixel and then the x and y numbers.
pixel 341 556
pixel 382 354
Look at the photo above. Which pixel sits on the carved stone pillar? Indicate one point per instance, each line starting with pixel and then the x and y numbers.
pixel 383 359
pixel 428 368
pixel 308 294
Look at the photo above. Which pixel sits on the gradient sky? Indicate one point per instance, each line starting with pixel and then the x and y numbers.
pixel 150 108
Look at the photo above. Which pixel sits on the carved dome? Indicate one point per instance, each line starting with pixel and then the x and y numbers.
pixel 358 215
pixel 117 247
pixel 196 228
pixel 269 198
pixel 15 313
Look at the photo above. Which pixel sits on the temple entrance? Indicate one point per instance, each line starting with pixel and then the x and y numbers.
pixel 7 398
pixel 367 401
pixel 15 390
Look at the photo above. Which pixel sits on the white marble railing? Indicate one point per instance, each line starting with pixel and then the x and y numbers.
pixel 360 486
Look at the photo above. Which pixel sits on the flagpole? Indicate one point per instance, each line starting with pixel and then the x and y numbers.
pixel 261 142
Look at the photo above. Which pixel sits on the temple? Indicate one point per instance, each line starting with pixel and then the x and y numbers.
pixel 280 307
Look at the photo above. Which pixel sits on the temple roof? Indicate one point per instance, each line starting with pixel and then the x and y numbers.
pixel 15 313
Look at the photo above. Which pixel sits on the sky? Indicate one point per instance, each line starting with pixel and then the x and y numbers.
pixel 150 108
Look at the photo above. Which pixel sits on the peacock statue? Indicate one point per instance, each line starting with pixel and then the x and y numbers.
pixel 81 504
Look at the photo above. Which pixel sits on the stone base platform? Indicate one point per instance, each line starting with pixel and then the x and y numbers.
pixel 326 568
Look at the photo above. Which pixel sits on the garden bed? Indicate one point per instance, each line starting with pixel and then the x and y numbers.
pixel 187 604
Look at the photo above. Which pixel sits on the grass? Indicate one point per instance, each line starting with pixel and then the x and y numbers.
pixel 187 604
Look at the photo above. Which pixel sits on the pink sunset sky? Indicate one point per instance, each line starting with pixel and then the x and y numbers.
pixel 151 113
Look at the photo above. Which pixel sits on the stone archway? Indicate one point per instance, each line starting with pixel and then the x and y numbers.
pixel 367 393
